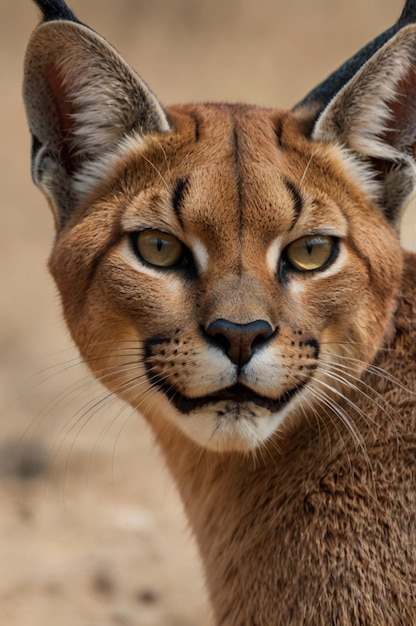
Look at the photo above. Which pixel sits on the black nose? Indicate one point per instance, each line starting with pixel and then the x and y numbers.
pixel 239 341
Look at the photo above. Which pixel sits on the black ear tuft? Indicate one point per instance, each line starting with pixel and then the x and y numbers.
pixel 408 15
pixel 325 91
pixel 55 10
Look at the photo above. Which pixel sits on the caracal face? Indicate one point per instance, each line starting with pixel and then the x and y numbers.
pixel 217 285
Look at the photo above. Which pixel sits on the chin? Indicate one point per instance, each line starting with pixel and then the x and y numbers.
pixel 231 426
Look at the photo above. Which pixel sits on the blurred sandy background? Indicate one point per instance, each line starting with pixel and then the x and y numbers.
pixel 91 530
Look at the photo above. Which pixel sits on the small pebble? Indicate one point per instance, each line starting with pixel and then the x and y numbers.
pixel 103 582
pixel 147 596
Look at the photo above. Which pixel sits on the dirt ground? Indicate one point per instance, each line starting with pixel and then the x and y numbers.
pixel 91 530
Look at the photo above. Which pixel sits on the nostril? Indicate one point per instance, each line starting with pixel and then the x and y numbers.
pixel 264 333
pixel 239 341
pixel 221 340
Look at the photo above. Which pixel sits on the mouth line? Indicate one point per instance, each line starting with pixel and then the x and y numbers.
pixel 237 393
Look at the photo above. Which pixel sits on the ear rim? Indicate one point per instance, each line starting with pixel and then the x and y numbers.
pixel 392 49
pixel 360 119
pixel 37 46
pixel 46 130
pixel 320 96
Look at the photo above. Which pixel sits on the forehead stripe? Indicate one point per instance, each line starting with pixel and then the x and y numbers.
pixel 197 122
pixel 179 193
pixel 297 199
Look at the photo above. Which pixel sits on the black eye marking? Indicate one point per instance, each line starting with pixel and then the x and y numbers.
pixel 278 132
pixel 178 196
pixel 297 200
pixel 197 122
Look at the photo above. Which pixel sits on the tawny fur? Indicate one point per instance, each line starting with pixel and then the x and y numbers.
pixel 304 513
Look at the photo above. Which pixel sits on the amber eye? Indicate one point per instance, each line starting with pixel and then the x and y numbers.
pixel 310 253
pixel 158 248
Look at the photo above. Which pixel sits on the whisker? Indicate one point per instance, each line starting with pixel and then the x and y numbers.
pixel 67 395
pixel 361 344
pixel 324 406
pixel 308 164
pixel 156 170
pixel 91 411
pixel 344 417
pixel 162 149
pixel 373 369
pixel 338 373
pixel 84 415
pixel 104 431
pixel 338 408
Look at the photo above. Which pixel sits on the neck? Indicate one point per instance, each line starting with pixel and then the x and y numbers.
pixel 235 503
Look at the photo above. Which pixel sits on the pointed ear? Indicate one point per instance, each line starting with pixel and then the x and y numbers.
pixel 82 100
pixel 374 117
pixel 322 94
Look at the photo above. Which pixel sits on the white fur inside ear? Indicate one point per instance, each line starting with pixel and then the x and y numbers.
pixel 363 127
pixel 361 172
pixel 359 116
pixel 106 108
pixel 373 120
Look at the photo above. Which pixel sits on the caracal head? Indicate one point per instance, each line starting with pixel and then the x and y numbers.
pixel 225 269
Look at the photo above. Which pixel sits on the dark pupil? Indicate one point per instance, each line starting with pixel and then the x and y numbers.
pixel 159 245
pixel 309 247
